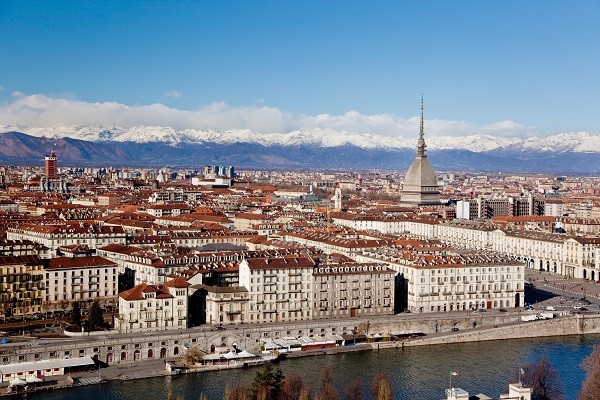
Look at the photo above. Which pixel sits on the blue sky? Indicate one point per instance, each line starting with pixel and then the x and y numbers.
pixel 498 67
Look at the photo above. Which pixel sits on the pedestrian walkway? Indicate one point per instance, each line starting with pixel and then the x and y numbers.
pixel 89 380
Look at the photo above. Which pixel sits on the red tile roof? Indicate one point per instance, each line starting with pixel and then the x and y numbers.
pixel 80 262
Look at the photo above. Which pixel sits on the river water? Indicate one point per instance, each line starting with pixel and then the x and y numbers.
pixel 415 372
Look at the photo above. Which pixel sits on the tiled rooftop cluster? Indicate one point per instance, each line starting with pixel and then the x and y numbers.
pixel 155 225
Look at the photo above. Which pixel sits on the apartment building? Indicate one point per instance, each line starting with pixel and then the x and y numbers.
pixel 466 282
pixel 280 288
pixel 219 305
pixel 244 221
pixel 56 235
pixel 351 289
pixel 343 244
pixel 153 307
pixel 434 278
pixel 81 279
pixel 22 286
pixel 164 210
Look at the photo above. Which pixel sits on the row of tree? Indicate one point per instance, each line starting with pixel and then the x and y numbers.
pixel 271 384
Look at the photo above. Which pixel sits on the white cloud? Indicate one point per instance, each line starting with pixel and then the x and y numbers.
pixel 43 111
pixel 1 88
pixel 173 93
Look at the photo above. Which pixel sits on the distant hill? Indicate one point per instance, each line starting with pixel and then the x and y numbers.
pixel 249 150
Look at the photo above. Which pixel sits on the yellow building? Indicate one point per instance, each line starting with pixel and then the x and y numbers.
pixel 22 288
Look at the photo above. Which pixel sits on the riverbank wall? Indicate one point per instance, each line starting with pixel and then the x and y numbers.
pixel 130 348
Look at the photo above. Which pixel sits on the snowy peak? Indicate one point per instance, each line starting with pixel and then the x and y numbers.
pixel 579 142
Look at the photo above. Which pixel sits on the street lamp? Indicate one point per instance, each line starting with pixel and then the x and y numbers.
pixel 451 375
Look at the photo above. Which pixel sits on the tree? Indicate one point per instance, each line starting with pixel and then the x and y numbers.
pixel 193 355
pixel 96 317
pixel 76 314
pixel 239 392
pixel 591 386
pixel 291 387
pixel 543 379
pixel 267 383
pixel 354 390
pixel 63 304
pixel 327 390
pixel 382 387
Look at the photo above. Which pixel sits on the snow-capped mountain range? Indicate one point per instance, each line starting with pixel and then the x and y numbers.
pixel 578 142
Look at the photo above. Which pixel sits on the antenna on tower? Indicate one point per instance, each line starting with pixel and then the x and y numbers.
pixel 421 146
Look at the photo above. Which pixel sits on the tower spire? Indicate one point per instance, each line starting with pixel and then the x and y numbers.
pixel 421 146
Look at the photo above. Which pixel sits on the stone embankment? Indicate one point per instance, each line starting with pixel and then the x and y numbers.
pixel 489 328
pixel 575 324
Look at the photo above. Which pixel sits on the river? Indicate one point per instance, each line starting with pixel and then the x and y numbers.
pixel 416 372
